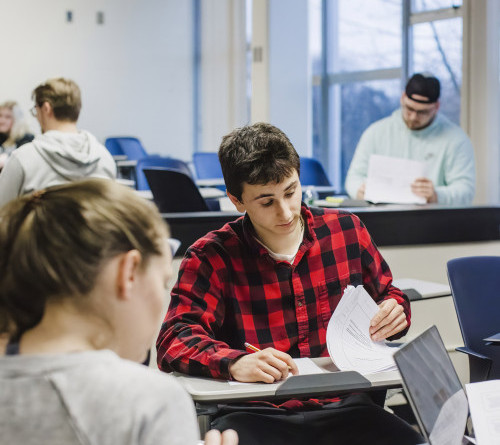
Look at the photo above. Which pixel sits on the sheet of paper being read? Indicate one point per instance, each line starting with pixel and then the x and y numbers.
pixel 389 180
pixel 348 337
pixel 484 403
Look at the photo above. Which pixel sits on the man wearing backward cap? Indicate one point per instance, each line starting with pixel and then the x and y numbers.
pixel 416 131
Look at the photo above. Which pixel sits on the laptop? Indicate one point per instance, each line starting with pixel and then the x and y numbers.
pixel 433 389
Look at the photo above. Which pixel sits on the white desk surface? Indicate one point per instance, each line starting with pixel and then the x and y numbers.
pixel 210 182
pixel 208 390
pixel 127 182
pixel 126 162
pixel 427 289
pixel 207 192
pixel 211 192
pixel 319 188
pixel 146 194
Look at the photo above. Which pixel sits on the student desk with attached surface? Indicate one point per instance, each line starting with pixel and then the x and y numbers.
pixel 431 304
pixel 126 168
pixel 207 392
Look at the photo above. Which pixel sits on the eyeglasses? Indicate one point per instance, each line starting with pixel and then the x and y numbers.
pixel 34 111
pixel 422 113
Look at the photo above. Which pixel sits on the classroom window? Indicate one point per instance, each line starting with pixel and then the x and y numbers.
pixel 429 5
pixel 363 53
pixel 437 47
pixel 367 37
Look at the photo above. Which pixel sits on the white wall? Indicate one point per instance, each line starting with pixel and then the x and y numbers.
pixel 260 61
pixel 223 70
pixel 135 70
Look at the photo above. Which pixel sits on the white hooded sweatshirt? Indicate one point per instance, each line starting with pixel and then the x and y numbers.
pixel 54 158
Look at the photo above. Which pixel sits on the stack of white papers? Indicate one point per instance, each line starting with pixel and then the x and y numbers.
pixel 484 404
pixel 348 337
pixel 389 180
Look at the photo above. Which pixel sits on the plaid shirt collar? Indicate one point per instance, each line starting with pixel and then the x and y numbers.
pixel 249 234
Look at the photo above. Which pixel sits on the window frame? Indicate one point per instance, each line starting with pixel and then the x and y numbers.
pixel 329 151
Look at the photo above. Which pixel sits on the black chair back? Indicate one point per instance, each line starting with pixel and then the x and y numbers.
pixel 141 183
pixel 174 191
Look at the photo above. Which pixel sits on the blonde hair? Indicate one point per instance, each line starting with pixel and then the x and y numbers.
pixel 54 242
pixel 19 126
pixel 63 95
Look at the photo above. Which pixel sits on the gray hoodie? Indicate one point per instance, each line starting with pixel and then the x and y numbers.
pixel 54 158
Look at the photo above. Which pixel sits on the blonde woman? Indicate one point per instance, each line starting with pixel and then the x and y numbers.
pixel 83 272
pixel 14 131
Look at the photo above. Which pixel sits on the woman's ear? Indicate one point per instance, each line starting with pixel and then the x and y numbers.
pixel 128 269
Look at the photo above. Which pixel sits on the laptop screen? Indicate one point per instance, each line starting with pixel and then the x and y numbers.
pixel 433 388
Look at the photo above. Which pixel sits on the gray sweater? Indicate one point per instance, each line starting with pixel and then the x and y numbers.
pixel 54 158
pixel 91 398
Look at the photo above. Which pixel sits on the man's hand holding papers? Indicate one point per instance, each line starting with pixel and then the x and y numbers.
pixel 349 332
pixel 354 337
pixel 388 321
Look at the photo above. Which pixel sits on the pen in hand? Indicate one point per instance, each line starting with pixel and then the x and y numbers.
pixel 251 347
pixel 256 349
pixel 268 366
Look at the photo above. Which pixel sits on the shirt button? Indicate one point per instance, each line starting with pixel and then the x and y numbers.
pixel 300 304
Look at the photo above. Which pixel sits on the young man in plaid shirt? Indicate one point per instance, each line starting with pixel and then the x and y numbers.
pixel 273 279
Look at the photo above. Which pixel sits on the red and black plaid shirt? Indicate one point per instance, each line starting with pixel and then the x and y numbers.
pixel 230 291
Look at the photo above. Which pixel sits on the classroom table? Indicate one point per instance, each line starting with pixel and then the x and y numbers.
pixel 389 225
pixel 207 390
pixel 214 182
pixel 207 393
pixel 126 168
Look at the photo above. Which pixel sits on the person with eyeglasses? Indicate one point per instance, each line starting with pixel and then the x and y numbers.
pixel 417 131
pixel 62 153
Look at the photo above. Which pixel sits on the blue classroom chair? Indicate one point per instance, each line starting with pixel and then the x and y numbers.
pixel 207 165
pixel 475 287
pixel 313 173
pixel 128 146
pixel 114 147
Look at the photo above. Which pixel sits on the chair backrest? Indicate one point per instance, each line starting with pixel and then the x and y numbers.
pixel 157 161
pixel 114 147
pixel 475 287
pixel 312 173
pixel 174 191
pixel 129 146
pixel 207 165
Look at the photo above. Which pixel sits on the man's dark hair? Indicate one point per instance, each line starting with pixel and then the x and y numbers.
pixel 256 154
